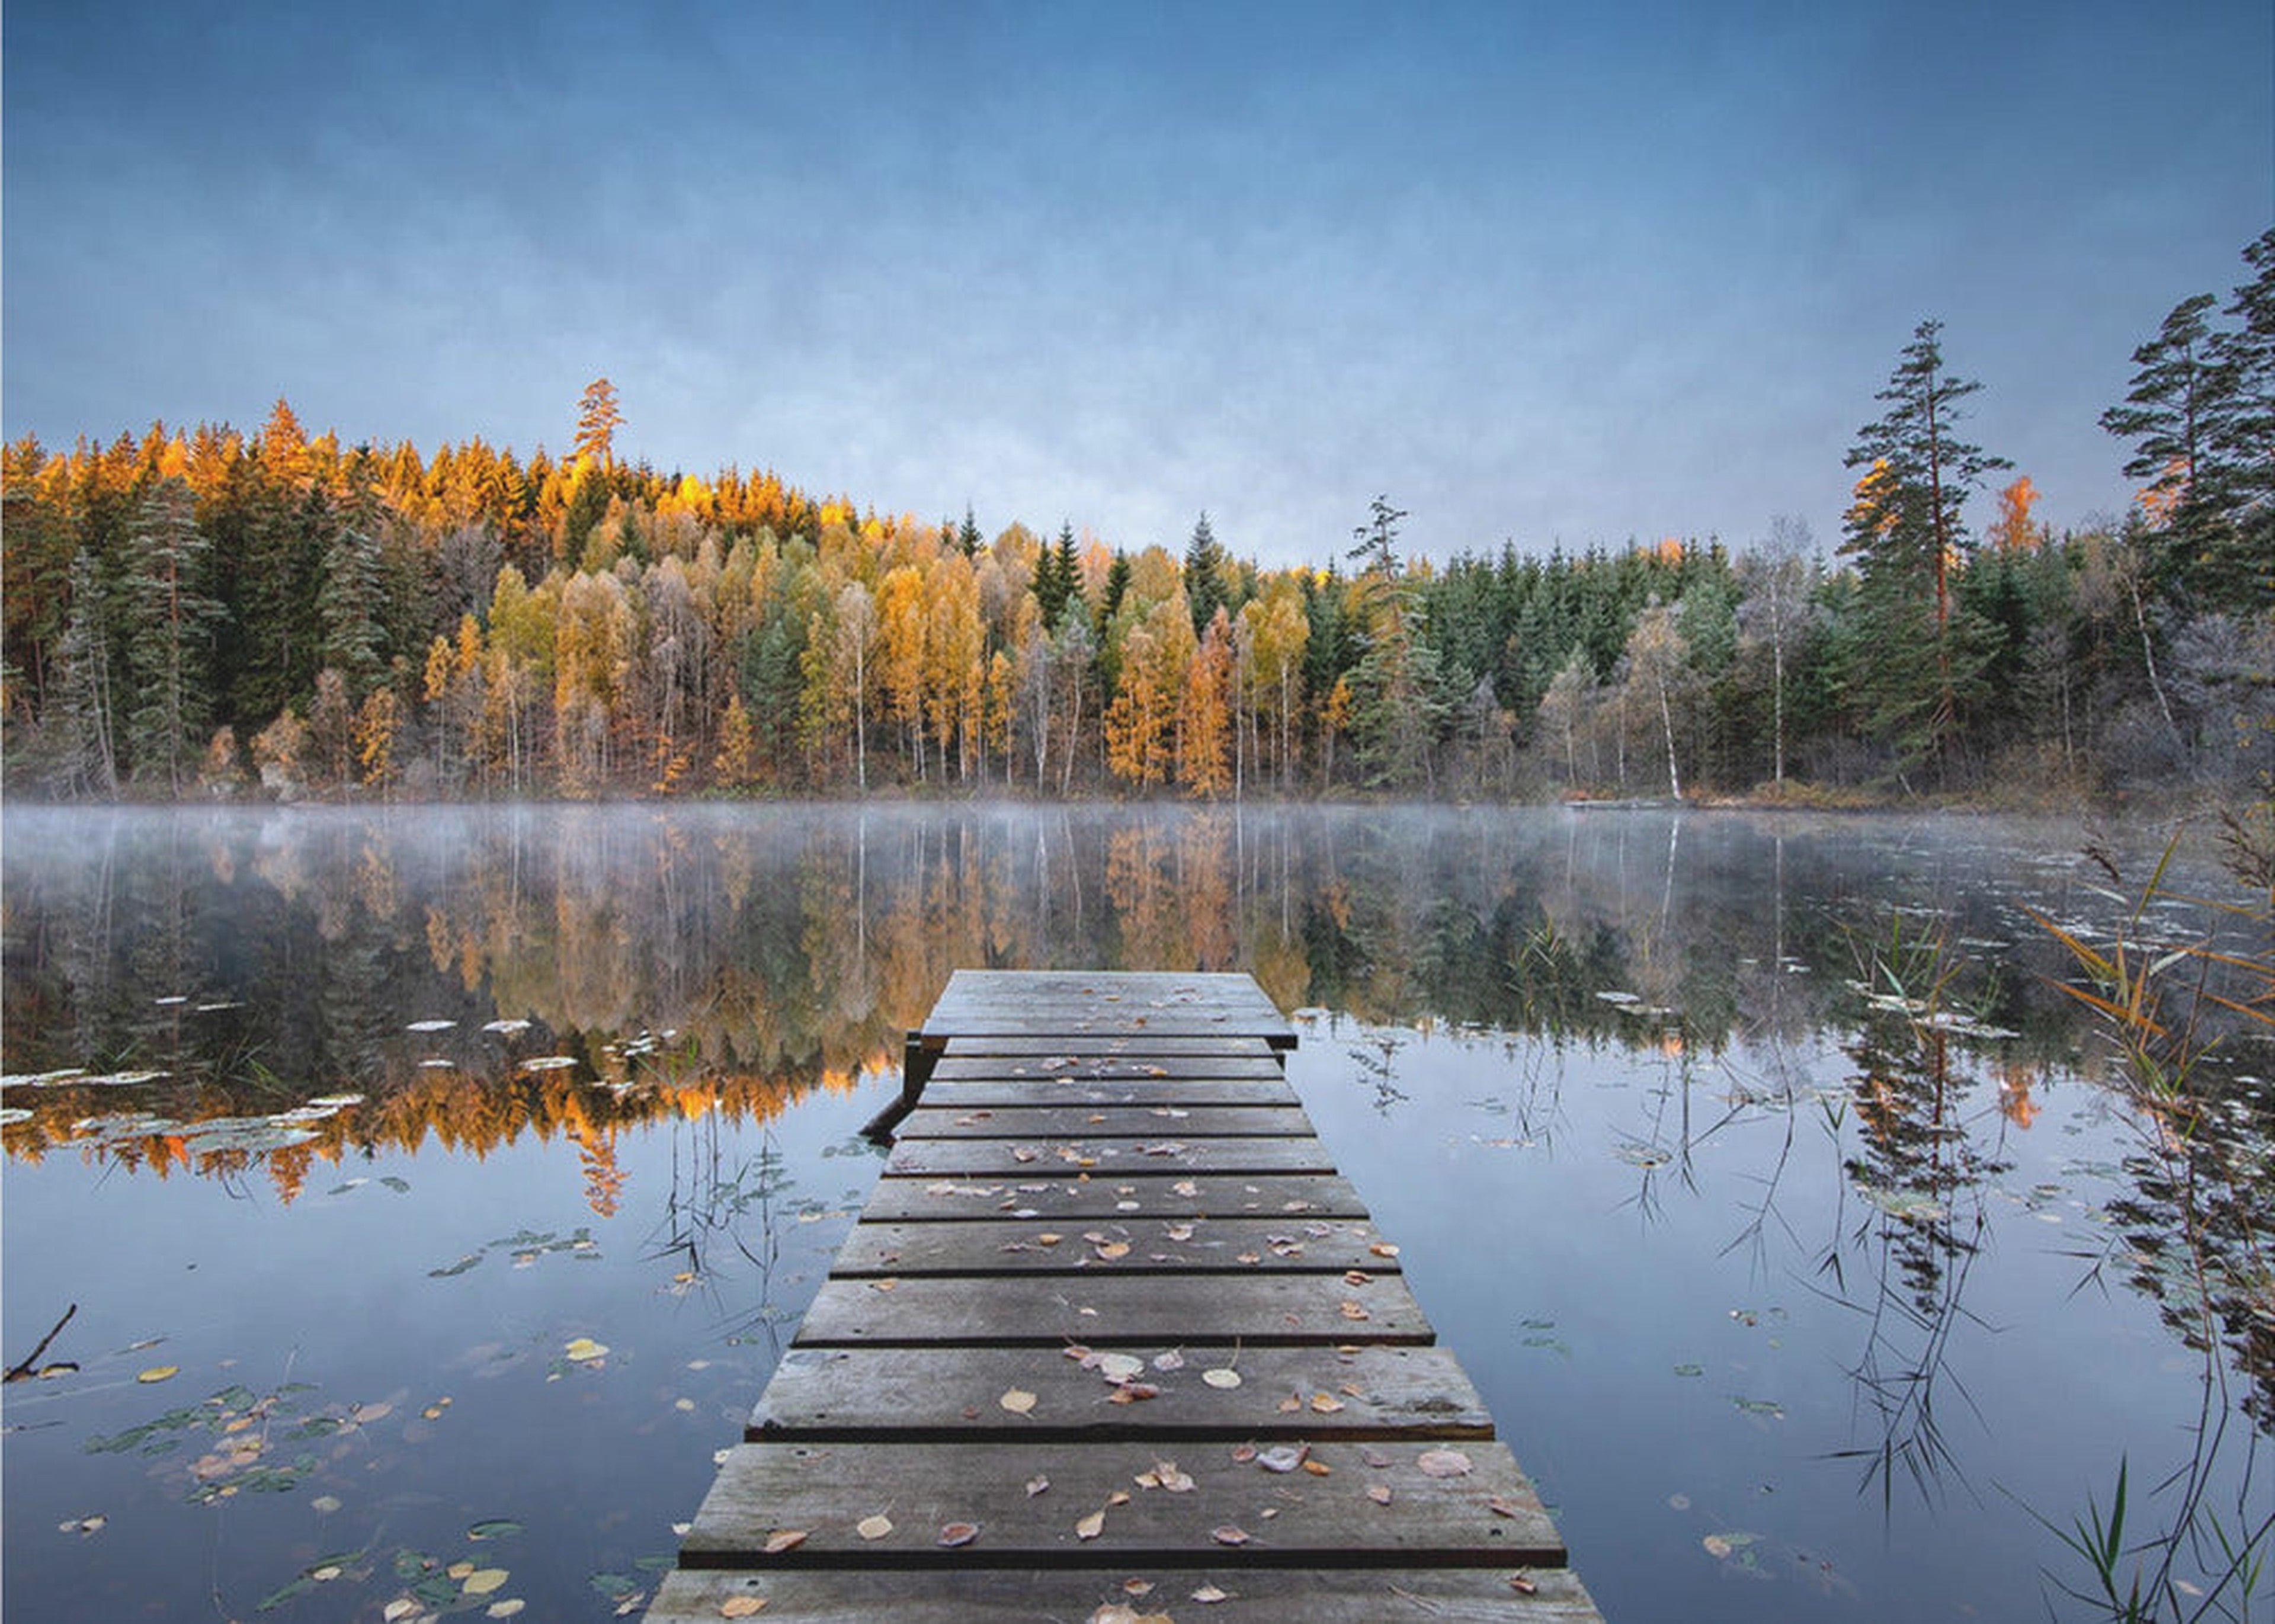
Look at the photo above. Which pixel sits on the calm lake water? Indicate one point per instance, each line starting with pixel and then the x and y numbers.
pixel 1786 1216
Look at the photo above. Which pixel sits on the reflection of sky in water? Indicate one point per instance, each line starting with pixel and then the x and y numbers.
pixel 339 1291
pixel 1676 1289
pixel 1672 1349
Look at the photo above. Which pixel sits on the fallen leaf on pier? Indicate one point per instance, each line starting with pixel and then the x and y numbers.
pixel 954 1534
pixel 1522 1584
pixel 1442 1464
pixel 1282 1457
pixel 1383 1249
pixel 784 1539
pixel 1502 1505
pixel 1018 1400
pixel 1210 1593
pixel 1230 1535
pixel 1327 1404
pixel 1379 1494
pixel 1036 1484
pixel 873 1527
pixel 1222 1375
pixel 1091 1527
pixel 741 1607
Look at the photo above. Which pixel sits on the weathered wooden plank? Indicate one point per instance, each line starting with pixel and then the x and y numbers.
pixel 1317 1596
pixel 1487 1516
pixel 1053 1124
pixel 958 1067
pixel 1113 1310
pixel 1226 1046
pixel 998 1094
pixel 916 1396
pixel 1167 1154
pixel 919 1199
pixel 982 1247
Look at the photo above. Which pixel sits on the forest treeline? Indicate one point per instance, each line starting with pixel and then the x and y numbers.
pixel 192 613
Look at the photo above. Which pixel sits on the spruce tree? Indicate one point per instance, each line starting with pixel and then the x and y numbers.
pixel 170 616
pixel 1205 588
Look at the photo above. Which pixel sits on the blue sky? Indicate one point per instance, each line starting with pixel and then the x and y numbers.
pixel 1568 273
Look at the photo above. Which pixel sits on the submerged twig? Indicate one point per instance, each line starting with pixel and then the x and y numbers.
pixel 24 1372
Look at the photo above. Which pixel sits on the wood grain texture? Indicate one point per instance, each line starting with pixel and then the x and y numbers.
pixel 1112 1310
pixel 1158 1155
pixel 916 1396
pixel 1147 1121
pixel 1489 1517
pixel 983 1246
pixel 1169 1194
pixel 1315 1596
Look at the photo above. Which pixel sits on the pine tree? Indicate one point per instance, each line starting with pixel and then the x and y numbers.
pixel 1377 539
pixel 1049 583
pixel 1907 534
pixel 170 618
pixel 598 419
pixel 967 534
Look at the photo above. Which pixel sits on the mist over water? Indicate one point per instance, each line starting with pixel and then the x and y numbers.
pixel 1773 1193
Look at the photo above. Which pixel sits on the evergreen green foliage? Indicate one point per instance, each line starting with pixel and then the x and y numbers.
pixel 169 616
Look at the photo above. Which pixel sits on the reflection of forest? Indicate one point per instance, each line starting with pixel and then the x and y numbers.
pixel 697 958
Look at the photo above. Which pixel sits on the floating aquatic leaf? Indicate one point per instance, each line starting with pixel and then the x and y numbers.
pixel 399 1186
pixel 1690 1370
pixel 583 1349
pixel 494 1528
pixel 954 1534
pixel 485 1582
pixel 324 1505
pixel 509 1608
pixel 159 1373
pixel 873 1527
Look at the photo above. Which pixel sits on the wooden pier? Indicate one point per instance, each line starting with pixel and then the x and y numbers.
pixel 1113 1341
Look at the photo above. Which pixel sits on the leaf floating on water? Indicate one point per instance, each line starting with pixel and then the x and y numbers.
pixel 784 1539
pixel 1716 1545
pixel 430 1026
pixel 1222 1375
pixel 873 1527
pixel 485 1580
pixel 955 1534
pixel 584 1351
pixel 159 1373
pixel 507 1609
pixel 1443 1463
pixel 494 1528
pixel 82 1526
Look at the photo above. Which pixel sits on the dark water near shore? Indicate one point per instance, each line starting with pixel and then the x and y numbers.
pixel 1789 1217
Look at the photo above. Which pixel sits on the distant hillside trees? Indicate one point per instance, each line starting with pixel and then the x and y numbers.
pixel 197 612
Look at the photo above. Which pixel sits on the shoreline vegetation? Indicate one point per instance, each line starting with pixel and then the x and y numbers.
pixel 205 614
